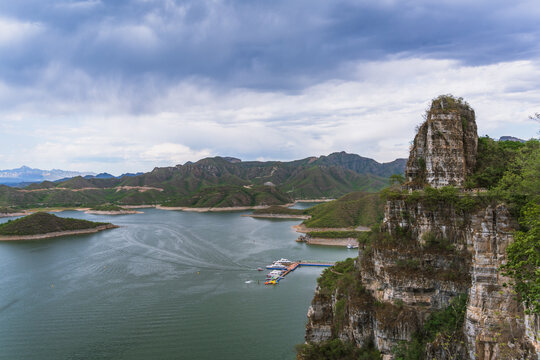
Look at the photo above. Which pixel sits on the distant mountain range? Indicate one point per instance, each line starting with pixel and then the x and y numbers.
pixel 215 182
pixel 25 174
pixel 511 138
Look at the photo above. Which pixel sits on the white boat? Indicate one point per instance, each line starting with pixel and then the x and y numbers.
pixel 283 261
pixel 274 273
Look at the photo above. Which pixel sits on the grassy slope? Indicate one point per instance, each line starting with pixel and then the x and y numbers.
pixel 230 195
pixel 353 209
pixel 43 223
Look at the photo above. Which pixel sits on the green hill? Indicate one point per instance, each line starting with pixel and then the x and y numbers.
pixel 217 181
pixel 43 223
pixel 107 207
pixel 351 210
pixel 231 195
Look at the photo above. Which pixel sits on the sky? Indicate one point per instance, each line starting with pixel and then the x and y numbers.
pixel 128 85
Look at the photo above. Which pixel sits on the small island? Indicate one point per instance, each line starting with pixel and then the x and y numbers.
pixel 110 209
pixel 279 212
pixel 43 225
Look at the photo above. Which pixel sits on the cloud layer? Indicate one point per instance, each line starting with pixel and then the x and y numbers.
pixel 127 85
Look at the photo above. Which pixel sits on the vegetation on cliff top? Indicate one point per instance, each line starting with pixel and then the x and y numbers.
pixel 520 188
pixel 341 276
pixel 44 223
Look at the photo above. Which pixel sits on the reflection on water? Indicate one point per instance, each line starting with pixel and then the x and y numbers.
pixel 165 285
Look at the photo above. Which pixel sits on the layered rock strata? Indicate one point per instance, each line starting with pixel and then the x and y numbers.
pixel 429 253
pixel 444 149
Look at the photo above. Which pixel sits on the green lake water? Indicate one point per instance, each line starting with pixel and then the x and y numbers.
pixel 165 285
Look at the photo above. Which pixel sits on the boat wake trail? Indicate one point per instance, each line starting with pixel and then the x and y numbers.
pixel 179 247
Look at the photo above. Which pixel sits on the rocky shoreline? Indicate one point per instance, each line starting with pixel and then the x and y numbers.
pixel 279 216
pixel 328 241
pixel 301 228
pixel 120 212
pixel 22 213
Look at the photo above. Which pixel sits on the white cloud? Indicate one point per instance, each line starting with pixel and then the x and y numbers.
pixel 173 153
pixel 14 31
pixel 100 124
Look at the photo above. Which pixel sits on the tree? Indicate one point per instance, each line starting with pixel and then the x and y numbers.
pixel 397 179
pixel 523 264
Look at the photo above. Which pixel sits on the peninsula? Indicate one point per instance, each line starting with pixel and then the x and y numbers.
pixel 43 225
pixel 110 209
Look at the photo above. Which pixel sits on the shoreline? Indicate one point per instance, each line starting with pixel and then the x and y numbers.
pixel 119 212
pixel 181 208
pixel 301 228
pixel 211 209
pixel 331 242
pixel 217 209
pixel 58 233
pixel 312 200
pixel 24 213
pixel 278 216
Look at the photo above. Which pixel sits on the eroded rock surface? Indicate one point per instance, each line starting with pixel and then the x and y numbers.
pixel 444 149
pixel 436 252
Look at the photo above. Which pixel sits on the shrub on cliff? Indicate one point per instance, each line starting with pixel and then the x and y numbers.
pixel 337 349
pixel 340 276
pixel 493 159
pixel 520 188
pixel 448 322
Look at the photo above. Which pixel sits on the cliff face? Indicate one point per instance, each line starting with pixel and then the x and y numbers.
pixel 427 254
pixel 444 149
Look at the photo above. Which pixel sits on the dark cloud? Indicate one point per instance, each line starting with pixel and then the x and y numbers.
pixel 259 44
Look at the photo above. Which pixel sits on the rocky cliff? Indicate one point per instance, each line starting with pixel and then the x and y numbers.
pixel 428 254
pixel 444 149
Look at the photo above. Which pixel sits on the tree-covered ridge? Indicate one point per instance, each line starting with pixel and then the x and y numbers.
pixel 231 196
pixel 44 223
pixel 216 182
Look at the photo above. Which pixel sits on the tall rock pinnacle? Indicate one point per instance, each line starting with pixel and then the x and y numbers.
pixel 444 149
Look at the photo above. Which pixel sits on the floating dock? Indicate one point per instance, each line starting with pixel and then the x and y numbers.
pixel 287 269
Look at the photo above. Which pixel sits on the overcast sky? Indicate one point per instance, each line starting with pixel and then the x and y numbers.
pixel 127 85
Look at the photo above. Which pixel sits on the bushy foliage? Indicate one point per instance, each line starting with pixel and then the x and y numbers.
pixel 523 264
pixel 519 187
pixel 493 159
pixel 337 349
pixel 340 276
pixel 447 321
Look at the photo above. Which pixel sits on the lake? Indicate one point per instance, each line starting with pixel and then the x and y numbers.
pixel 165 285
